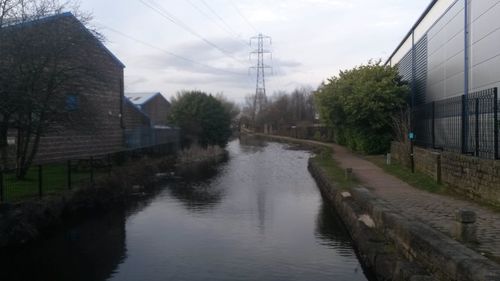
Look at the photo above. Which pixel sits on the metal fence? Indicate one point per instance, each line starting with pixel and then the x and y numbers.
pixel 54 177
pixel 148 136
pixel 465 124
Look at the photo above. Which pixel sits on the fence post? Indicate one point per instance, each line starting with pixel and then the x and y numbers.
pixel 477 126
pixel 2 194
pixel 495 121
pixel 91 170
pixel 69 174
pixel 433 124
pixel 110 164
pixel 40 181
pixel 464 133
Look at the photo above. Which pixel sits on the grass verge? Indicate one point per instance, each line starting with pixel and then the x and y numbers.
pixel 54 180
pixel 333 171
pixel 418 180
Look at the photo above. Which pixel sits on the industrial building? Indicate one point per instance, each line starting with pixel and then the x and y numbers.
pixel 451 60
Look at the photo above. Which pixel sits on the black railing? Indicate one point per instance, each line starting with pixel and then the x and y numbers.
pixel 465 124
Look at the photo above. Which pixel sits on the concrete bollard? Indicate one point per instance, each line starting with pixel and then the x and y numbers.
pixel 388 159
pixel 465 226
pixel 348 173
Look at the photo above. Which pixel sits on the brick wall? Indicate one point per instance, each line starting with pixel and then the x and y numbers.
pixel 96 127
pixel 133 117
pixel 476 178
pixel 157 109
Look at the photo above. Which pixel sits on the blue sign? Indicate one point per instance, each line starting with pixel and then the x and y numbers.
pixel 411 136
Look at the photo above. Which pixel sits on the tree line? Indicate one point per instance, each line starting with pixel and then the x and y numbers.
pixel 364 106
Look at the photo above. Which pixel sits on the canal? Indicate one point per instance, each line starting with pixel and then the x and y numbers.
pixel 257 216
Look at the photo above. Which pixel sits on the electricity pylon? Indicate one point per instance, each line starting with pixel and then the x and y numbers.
pixel 260 88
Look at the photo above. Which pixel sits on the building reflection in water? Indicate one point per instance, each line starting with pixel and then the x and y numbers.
pixel 89 251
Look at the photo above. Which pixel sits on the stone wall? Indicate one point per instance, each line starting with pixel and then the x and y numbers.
pixel 401 153
pixel 428 162
pixel 476 178
pixel 471 176
pixel 399 247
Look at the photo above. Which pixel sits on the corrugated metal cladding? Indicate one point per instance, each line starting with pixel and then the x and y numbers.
pixel 420 70
pixel 443 47
pixel 405 68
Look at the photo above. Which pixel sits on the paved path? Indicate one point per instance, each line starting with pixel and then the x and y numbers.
pixel 433 209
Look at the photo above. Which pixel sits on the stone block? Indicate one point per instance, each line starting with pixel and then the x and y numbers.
pixel 465 216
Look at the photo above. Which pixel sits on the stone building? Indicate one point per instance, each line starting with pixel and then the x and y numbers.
pixel 152 108
pixel 154 105
pixel 86 115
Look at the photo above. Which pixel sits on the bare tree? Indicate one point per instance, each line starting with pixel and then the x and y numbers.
pixel 40 61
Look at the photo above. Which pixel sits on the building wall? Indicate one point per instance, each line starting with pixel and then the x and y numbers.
pixel 133 117
pixel 443 30
pixel 157 110
pixel 99 130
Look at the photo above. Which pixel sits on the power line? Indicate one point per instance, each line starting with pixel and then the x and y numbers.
pixel 233 35
pixel 162 12
pixel 171 53
pixel 217 16
pixel 245 19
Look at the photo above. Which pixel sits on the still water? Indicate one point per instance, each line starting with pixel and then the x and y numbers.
pixel 258 216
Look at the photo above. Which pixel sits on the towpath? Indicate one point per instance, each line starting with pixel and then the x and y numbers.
pixel 433 209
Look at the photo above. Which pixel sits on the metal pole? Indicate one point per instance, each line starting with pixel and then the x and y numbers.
pixel 69 174
pixel 433 124
pixel 465 120
pixel 477 127
pixel 2 194
pixel 40 181
pixel 465 113
pixel 495 122
pixel 110 164
pixel 91 170
pixel 413 89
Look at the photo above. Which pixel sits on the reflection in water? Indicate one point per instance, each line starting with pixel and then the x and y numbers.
pixel 261 208
pixel 249 144
pixel 330 230
pixel 90 251
pixel 196 189
pixel 254 217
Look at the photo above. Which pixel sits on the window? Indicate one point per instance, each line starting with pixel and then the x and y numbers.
pixel 72 102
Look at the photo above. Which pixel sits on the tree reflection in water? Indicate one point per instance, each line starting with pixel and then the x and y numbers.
pixel 330 230
pixel 196 189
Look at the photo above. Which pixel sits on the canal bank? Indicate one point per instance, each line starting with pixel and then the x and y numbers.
pixel 137 178
pixel 257 216
pixel 408 242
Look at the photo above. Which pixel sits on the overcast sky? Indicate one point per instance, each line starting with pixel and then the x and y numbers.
pixel 311 40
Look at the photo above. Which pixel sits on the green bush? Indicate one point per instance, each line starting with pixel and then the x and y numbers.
pixel 202 118
pixel 360 105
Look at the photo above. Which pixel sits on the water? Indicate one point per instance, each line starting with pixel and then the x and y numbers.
pixel 259 216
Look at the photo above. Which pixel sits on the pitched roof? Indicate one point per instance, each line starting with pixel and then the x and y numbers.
pixel 13 24
pixel 142 98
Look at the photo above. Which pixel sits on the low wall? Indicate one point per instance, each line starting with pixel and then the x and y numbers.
pixel 401 153
pixel 477 178
pixel 428 254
